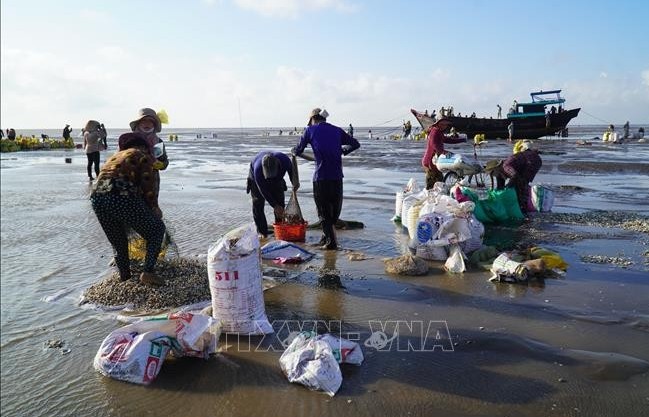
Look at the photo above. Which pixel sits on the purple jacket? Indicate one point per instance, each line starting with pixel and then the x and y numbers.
pixel 265 185
pixel 329 143
pixel 523 164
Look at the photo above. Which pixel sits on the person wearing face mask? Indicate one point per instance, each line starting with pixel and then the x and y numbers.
pixel 147 123
pixel 125 197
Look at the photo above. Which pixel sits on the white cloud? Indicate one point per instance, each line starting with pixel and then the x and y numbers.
pixel 112 82
pixel 603 75
pixel 111 53
pixel 293 8
pixel 645 77
pixel 92 15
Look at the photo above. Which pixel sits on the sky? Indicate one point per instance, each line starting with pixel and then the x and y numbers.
pixel 267 63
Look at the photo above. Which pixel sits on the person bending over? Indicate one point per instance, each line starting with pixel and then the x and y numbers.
pixel 125 197
pixel 520 168
pixel 266 184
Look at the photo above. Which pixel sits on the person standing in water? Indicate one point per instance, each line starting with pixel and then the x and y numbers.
pixel 66 132
pixel 125 197
pixel 435 147
pixel 329 144
pixel 92 146
pixel 104 136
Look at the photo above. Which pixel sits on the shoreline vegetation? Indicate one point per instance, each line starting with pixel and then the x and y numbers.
pixel 32 143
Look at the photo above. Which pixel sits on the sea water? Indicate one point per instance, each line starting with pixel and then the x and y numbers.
pixel 507 345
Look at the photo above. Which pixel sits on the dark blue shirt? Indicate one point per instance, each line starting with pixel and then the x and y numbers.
pixel 265 185
pixel 327 142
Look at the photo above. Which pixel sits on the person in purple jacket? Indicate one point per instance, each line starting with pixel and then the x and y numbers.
pixel 520 168
pixel 266 184
pixel 329 143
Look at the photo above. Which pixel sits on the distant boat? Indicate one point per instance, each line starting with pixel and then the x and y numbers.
pixel 531 120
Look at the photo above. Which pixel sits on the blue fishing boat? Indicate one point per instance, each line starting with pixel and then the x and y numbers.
pixel 544 115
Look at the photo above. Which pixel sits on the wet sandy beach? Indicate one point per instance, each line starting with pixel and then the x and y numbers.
pixel 576 345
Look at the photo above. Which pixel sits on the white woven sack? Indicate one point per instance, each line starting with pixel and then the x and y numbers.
pixel 235 279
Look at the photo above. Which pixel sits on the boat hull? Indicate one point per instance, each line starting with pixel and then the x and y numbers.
pixel 525 127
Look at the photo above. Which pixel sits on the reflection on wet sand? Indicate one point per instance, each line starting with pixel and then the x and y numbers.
pixel 578 342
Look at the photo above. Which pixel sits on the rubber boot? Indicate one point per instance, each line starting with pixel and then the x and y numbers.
pixel 331 243
pixel 125 274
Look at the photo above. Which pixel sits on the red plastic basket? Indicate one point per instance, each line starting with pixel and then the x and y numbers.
pixel 290 232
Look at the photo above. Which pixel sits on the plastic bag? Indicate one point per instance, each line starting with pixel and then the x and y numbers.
pixel 455 230
pixel 431 252
pixel 137 246
pixel 163 116
pixel 411 187
pixel 521 145
pixel 283 249
pixel 542 198
pixel 477 233
pixel 409 201
pixel 500 206
pixel 411 221
pixel 455 262
pixel 551 259
pixel 313 360
pixel 504 269
pixel 135 353
pixel 235 279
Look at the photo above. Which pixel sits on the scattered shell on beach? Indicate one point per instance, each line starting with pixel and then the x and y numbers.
pixel 600 259
pixel 537 232
pixel 185 283
pixel 622 219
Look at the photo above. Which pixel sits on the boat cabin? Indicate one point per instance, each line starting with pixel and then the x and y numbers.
pixel 536 107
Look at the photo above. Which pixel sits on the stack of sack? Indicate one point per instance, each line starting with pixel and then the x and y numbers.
pixel 445 229
pixel 135 353
pixel 409 189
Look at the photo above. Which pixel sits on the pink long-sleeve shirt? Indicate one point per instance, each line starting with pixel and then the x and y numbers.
pixel 435 145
